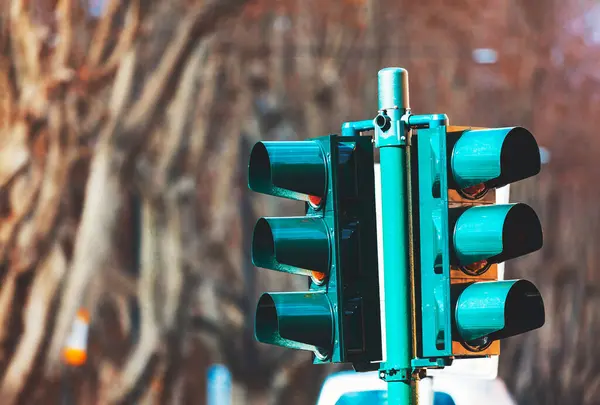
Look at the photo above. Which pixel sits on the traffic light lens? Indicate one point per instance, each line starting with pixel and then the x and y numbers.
pixel 315 201
pixel 520 157
pixel 474 192
pixel 524 310
pixel 266 321
pixel 259 169
pixel 318 277
pixel 478 345
pixel 522 233
pixel 477 268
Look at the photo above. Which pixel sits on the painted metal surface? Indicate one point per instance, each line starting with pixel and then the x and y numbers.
pixel 393 105
pixel 434 259
pixel 298 245
pixel 354 128
pixel 469 236
pixel 498 309
pixel 288 169
pixel 494 156
pixel 496 233
pixel 296 320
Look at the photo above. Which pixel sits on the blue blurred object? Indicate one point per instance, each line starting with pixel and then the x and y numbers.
pixel 378 397
pixel 96 7
pixel 485 56
pixel 219 385
pixel 441 398
pixel 544 155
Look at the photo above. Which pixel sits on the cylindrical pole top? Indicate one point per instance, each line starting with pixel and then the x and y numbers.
pixel 393 88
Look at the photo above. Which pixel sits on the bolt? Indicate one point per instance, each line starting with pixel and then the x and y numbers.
pixel 383 121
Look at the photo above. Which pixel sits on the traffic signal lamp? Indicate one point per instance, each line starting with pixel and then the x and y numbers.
pixel 460 236
pixel 492 234
pixel 333 243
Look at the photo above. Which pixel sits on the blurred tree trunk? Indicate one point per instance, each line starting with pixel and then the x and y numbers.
pixel 132 103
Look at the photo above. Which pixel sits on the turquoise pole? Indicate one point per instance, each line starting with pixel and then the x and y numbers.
pixel 391 139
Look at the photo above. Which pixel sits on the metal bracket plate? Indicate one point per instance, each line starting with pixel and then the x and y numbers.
pixel 397 374
pixel 391 127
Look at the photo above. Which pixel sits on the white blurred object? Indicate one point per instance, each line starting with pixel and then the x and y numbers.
pixel 96 7
pixel 282 23
pixel 485 56
pixel 425 391
pixel 338 384
pixel 380 255
pixel 587 25
pixel 544 155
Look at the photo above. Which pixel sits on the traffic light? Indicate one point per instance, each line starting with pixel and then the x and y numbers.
pixel 334 244
pixel 460 236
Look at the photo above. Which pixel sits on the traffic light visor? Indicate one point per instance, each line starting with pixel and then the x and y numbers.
pixel 296 320
pixel 495 233
pixel 498 309
pixel 494 157
pixel 298 245
pixel 294 170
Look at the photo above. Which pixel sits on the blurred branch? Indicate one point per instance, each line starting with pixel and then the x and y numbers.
pixel 178 283
pixel 96 73
pixel 138 368
pixel 27 359
pixel 170 167
pixel 65 19
pixel 163 81
pixel 43 223
pixel 14 155
pixel 104 31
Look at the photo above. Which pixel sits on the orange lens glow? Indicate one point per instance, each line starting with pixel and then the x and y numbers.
pixel 318 276
pixel 477 268
pixel 314 200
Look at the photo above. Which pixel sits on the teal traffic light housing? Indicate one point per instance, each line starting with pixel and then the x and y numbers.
pixel 470 238
pixel 443 297
pixel 334 243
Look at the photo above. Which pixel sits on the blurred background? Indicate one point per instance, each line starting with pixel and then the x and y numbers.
pixel 126 128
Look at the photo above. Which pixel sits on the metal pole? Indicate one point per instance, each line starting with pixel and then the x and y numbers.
pixel 391 138
pixel 356 127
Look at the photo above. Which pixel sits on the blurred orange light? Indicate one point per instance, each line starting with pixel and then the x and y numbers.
pixel 477 268
pixel 314 200
pixel 318 276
